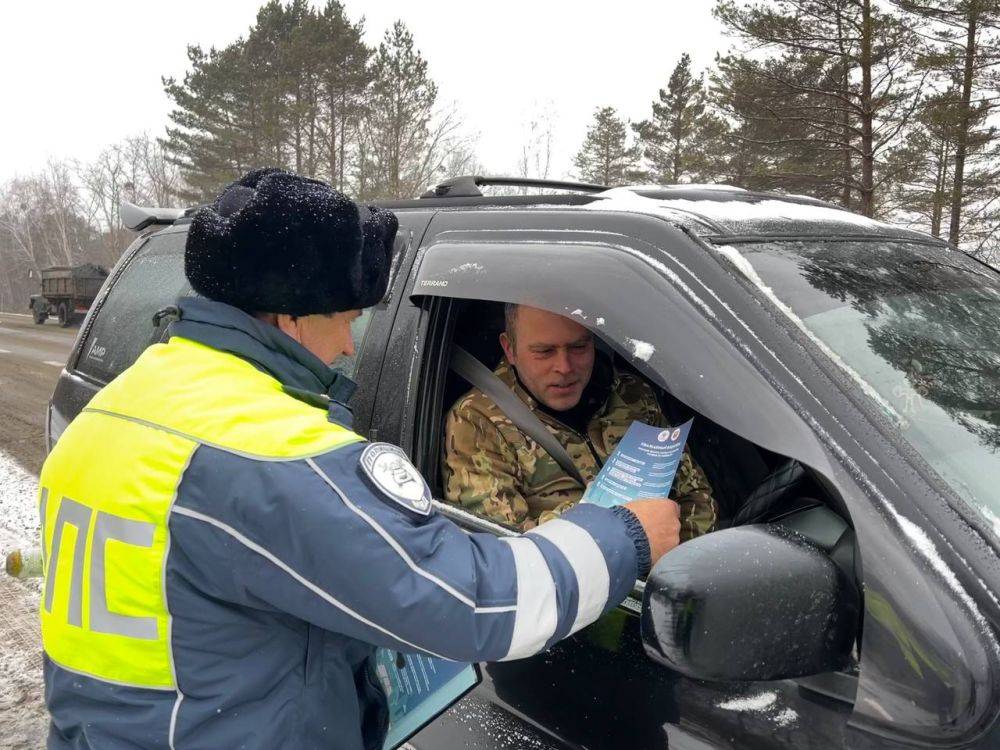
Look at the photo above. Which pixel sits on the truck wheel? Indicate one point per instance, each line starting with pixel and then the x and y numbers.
pixel 39 316
pixel 65 317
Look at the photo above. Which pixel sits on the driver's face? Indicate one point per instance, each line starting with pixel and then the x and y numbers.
pixel 553 355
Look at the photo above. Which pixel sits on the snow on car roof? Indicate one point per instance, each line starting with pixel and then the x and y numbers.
pixel 722 209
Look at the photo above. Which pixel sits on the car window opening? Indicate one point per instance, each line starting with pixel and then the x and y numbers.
pixel 750 483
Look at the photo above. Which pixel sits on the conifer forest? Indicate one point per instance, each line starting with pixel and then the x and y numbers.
pixel 885 107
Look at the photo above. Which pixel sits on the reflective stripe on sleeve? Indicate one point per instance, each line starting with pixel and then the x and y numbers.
pixel 537 615
pixel 585 557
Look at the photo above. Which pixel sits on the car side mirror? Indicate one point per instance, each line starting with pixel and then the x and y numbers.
pixel 756 602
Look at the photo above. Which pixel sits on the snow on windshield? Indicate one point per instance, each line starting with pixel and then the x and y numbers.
pixel 734 256
pixel 910 325
pixel 993 519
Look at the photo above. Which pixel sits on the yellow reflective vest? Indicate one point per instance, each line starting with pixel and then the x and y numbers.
pixel 222 558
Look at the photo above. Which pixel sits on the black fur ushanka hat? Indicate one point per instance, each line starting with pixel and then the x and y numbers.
pixel 276 242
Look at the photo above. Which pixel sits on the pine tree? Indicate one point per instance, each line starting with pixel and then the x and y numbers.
pixel 605 157
pixel 678 141
pixel 212 138
pixel 767 147
pixel 300 65
pixel 344 75
pixel 925 175
pixel 288 95
pixel 841 75
pixel 302 91
pixel 396 137
pixel 923 167
pixel 964 49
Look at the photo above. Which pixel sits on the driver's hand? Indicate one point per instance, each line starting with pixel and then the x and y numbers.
pixel 661 520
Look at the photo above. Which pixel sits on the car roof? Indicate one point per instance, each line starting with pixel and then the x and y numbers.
pixel 717 213
pixel 714 212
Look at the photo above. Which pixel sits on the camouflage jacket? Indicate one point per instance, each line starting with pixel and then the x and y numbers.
pixel 493 469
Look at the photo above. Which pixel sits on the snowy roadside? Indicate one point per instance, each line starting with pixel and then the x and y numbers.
pixel 22 711
pixel 18 508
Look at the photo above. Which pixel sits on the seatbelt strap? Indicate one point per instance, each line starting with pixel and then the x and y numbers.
pixel 513 407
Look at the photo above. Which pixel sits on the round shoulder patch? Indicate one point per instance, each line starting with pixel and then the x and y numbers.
pixel 395 477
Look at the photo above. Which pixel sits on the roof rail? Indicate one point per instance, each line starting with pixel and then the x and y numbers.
pixel 136 218
pixel 467 186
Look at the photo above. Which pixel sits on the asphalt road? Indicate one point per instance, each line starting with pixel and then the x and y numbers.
pixel 31 357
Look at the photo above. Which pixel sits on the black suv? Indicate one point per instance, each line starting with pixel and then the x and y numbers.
pixel 844 376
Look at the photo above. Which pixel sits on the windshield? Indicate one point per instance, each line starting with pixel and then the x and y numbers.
pixel 918 328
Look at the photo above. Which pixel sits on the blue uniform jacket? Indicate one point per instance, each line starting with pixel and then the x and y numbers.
pixel 278 570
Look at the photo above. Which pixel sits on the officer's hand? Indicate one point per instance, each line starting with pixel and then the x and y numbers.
pixel 661 520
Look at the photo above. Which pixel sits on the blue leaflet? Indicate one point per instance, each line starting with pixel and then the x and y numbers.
pixel 417 689
pixel 643 465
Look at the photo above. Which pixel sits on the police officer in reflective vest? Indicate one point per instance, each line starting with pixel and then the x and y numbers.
pixel 224 554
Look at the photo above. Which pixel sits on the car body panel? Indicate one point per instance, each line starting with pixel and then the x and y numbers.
pixel 928 667
pixel 858 475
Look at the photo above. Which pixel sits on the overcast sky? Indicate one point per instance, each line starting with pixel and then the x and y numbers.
pixel 76 76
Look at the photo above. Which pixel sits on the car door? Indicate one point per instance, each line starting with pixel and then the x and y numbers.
pixel 598 689
pixel 717 339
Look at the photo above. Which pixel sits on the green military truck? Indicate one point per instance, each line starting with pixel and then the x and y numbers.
pixel 67 291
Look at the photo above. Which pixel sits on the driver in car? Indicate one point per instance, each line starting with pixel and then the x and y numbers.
pixel 550 362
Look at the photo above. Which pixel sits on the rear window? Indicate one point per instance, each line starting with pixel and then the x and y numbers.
pixel 153 280
pixel 124 326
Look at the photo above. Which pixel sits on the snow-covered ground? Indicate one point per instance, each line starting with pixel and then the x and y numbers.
pixel 18 506
pixel 22 713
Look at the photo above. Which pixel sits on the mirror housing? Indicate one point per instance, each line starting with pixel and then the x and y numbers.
pixel 754 602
